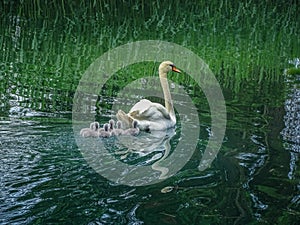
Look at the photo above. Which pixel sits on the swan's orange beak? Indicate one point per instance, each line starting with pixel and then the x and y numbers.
pixel 175 69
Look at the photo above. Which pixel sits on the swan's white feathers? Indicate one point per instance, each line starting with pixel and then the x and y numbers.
pixel 154 112
pixel 150 115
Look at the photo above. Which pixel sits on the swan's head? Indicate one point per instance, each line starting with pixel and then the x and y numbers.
pixel 168 66
pixel 106 126
pixel 119 124
pixel 94 126
pixel 111 124
pixel 134 124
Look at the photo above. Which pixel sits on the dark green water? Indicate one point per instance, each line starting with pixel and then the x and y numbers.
pixel 45 48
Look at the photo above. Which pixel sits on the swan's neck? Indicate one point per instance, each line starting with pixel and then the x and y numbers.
pixel 167 95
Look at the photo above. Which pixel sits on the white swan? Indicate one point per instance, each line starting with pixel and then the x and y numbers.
pixel 134 130
pixel 118 130
pixel 105 133
pixel 90 132
pixel 111 123
pixel 150 115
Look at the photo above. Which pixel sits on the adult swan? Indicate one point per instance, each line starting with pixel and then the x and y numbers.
pixel 151 115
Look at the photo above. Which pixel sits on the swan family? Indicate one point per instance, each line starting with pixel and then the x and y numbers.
pixel 109 130
pixel 143 116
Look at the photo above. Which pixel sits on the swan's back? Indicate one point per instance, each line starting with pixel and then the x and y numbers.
pixel 141 106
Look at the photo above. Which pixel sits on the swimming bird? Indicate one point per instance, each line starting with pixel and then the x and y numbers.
pixel 90 132
pixel 134 130
pixel 118 130
pixel 105 133
pixel 111 124
pixel 151 115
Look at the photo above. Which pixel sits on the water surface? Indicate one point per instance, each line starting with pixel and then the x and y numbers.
pixel 45 178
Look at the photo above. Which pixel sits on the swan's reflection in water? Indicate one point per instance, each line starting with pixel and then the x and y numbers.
pixel 148 143
pixel 132 160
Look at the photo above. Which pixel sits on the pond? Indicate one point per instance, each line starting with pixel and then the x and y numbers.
pixel 52 175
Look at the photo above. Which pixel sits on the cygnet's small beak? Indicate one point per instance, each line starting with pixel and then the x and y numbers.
pixel 175 69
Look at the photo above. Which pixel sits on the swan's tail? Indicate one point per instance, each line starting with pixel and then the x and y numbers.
pixel 125 119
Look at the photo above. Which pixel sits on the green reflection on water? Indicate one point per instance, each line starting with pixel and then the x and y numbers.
pixel 47 46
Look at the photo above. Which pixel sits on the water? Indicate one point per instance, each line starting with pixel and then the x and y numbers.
pixel 45 177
